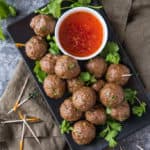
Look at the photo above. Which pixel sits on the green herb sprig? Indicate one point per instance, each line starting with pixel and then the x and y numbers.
pixel 87 78
pixel 110 132
pixel 6 10
pixel 41 75
pixel 54 7
pixel 111 53
pixel 131 97
pixel 65 127
pixel 53 46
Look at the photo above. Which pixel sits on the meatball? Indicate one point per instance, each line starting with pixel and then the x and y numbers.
pixel 118 73
pixel 84 98
pixel 83 132
pixel 67 67
pixel 97 67
pixel 98 85
pixel 96 115
pixel 74 84
pixel 48 62
pixel 54 87
pixel 121 112
pixel 43 25
pixel 68 111
pixel 111 95
pixel 36 47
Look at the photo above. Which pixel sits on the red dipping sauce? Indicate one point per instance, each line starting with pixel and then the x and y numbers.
pixel 81 34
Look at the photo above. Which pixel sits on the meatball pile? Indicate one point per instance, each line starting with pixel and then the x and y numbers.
pixel 89 105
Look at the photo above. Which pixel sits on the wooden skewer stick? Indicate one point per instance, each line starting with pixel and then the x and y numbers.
pixel 20 45
pixel 31 120
pixel 20 95
pixel 22 137
pixel 21 103
pixel 25 122
pixel 127 75
pixel 27 125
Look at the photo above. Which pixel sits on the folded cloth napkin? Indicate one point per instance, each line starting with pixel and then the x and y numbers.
pixel 131 21
pixel 46 131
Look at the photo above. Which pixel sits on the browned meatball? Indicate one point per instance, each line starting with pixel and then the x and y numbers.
pixel 54 87
pixel 43 25
pixel 118 73
pixel 96 115
pixel 83 132
pixel 48 62
pixel 68 111
pixel 67 67
pixel 97 67
pixel 84 98
pixel 74 84
pixel 98 85
pixel 121 112
pixel 111 95
pixel 36 47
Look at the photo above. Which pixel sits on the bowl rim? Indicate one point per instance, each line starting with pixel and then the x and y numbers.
pixel 98 16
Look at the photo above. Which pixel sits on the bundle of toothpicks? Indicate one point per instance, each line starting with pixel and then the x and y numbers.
pixel 24 119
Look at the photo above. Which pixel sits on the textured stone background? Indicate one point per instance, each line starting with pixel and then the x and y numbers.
pixel 9 58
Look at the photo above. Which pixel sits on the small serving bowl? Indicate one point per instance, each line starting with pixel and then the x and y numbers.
pixel 94 13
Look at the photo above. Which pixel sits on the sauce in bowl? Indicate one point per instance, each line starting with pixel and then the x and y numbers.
pixel 81 33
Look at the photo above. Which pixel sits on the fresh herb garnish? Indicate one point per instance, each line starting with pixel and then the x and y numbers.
pixel 65 127
pixel 39 73
pixel 110 132
pixel 53 46
pixel 139 110
pixel 110 53
pixel 131 97
pixel 54 7
pixel 6 10
pixel 87 78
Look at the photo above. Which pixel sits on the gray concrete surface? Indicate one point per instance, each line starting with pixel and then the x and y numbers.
pixel 9 58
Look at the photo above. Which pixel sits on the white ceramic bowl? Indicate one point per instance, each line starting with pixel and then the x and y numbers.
pixel 91 11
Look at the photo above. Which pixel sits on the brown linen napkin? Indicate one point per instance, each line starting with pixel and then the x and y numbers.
pixel 47 131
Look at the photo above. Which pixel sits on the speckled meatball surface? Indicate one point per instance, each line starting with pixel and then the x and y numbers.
pixel 36 47
pixel 68 111
pixel 121 112
pixel 111 95
pixel 98 85
pixel 83 132
pixel 48 62
pixel 96 115
pixel 54 87
pixel 67 67
pixel 74 84
pixel 118 73
pixel 97 67
pixel 84 98
pixel 43 25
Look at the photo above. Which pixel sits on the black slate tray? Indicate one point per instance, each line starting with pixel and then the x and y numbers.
pixel 21 32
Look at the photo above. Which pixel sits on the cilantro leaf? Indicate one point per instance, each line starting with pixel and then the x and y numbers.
pixel 39 73
pixel 110 53
pixel 113 58
pixel 139 110
pixel 110 132
pixel 2 36
pixel 53 8
pixel 87 78
pixel 53 46
pixel 130 95
pixel 65 127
